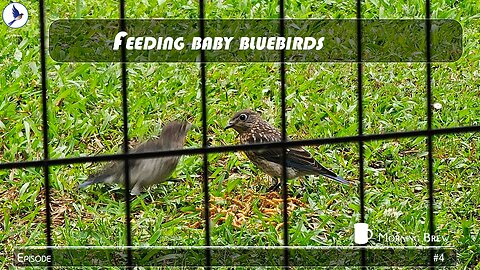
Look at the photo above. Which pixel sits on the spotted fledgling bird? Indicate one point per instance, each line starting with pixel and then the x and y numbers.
pixel 149 171
pixel 253 129
pixel 16 15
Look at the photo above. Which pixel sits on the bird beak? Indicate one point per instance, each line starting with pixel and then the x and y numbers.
pixel 230 125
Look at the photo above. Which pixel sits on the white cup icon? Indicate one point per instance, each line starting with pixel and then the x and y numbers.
pixel 362 233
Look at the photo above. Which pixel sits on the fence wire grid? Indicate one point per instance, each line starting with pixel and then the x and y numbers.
pixel 429 133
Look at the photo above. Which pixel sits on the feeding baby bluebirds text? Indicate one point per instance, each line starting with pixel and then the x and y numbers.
pixel 148 171
pixel 253 129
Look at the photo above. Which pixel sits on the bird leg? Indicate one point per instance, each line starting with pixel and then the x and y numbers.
pixel 275 185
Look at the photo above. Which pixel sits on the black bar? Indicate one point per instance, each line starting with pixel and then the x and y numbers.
pixel 284 179
pixel 125 140
pixel 431 217
pixel 73 40
pixel 235 148
pixel 203 85
pixel 188 257
pixel 46 156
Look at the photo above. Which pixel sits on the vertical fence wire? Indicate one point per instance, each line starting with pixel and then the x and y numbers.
pixel 203 86
pixel 46 156
pixel 125 139
pixel 360 110
pixel 431 217
pixel 360 121
pixel 284 179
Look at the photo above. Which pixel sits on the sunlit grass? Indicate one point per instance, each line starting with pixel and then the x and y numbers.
pixel 85 118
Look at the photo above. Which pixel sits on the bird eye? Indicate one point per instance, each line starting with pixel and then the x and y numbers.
pixel 243 117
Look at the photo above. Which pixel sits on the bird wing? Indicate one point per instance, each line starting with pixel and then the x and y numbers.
pixel 15 12
pixel 106 174
pixel 267 133
pixel 297 158
pixel 301 160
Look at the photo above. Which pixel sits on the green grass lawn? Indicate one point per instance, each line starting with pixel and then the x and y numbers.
pixel 85 118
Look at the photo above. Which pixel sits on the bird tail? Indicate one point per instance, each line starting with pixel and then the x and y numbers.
pixel 329 174
pixel 10 23
pixel 102 178
pixel 336 178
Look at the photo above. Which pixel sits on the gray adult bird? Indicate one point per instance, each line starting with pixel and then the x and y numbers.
pixel 253 129
pixel 148 171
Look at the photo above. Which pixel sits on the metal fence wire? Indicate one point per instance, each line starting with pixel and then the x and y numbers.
pixel 429 133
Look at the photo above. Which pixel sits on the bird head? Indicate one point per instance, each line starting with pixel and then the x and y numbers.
pixel 243 120
pixel 175 133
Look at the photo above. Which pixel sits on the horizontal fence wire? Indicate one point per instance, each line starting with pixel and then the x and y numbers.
pixel 361 138
pixel 242 147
